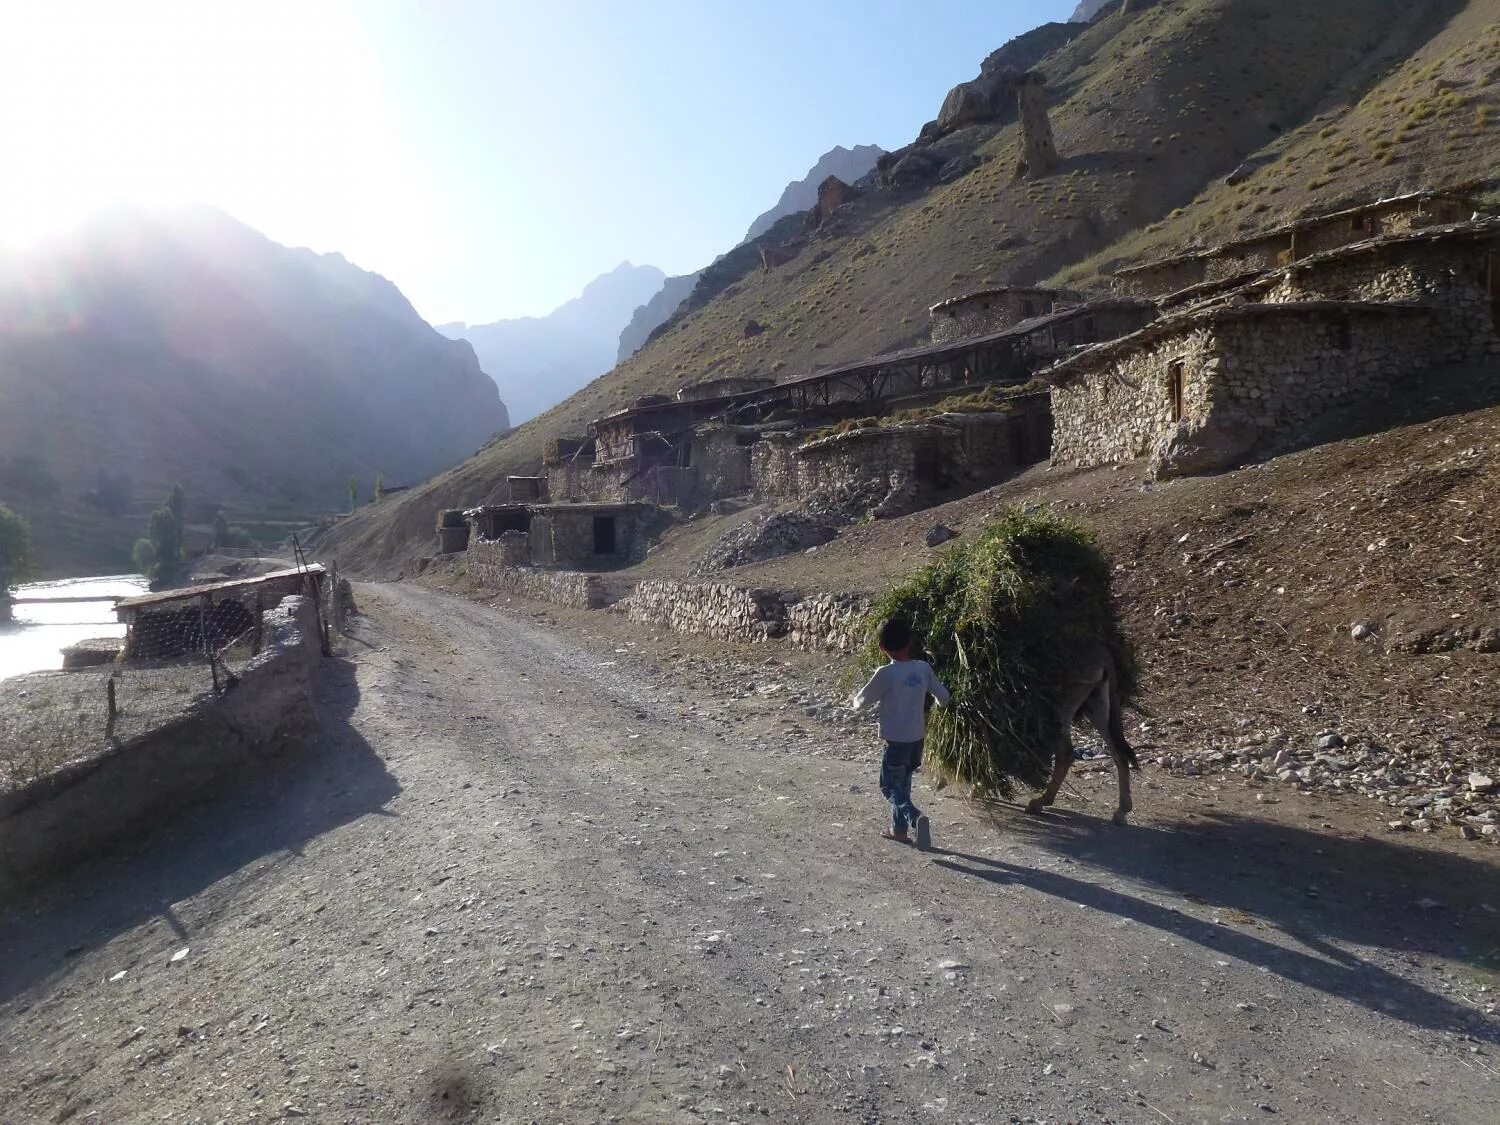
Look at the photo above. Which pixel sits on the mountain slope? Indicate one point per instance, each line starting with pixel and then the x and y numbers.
pixel 654 313
pixel 188 347
pixel 848 164
pixel 538 361
pixel 1151 110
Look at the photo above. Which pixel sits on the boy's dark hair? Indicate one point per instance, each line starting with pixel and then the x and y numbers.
pixel 895 634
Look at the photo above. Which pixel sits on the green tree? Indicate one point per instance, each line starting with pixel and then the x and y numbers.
pixel 15 549
pixel 353 493
pixel 145 557
pixel 379 486
pixel 177 504
pixel 221 529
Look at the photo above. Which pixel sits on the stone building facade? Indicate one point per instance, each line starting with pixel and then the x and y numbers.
pixel 1294 241
pixel 723 387
pixel 988 311
pixel 600 536
pixel 1204 390
pixel 904 467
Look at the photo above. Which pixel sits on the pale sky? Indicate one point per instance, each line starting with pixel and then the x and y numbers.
pixel 489 158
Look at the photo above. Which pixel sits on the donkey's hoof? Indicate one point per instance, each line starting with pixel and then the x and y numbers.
pixel 1120 818
pixel 1036 805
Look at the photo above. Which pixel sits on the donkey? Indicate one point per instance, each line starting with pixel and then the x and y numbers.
pixel 1093 693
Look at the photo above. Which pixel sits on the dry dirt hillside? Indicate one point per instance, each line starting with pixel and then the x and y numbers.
pixel 1152 110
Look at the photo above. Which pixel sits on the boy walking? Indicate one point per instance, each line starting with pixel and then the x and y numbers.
pixel 900 690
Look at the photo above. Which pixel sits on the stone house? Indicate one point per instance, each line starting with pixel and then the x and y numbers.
pixel 726 386
pixel 571 536
pixel 907 466
pixel 1207 388
pixel 1454 268
pixel 989 310
pixel 1291 242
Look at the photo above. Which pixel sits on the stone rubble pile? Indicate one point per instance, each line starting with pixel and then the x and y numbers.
pixel 1426 790
pixel 768 537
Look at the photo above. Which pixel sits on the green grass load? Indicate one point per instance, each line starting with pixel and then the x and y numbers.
pixel 1005 620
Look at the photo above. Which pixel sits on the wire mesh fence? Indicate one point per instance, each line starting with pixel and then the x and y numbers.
pixel 183 652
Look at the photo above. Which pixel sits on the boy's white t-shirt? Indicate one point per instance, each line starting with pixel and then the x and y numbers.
pixel 900 689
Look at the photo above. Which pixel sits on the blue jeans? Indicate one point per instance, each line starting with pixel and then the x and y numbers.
pixel 897 764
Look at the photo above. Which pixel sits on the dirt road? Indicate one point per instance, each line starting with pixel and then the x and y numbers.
pixel 520 877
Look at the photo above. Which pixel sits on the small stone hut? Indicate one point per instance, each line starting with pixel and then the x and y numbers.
pixel 1203 390
pixel 1283 245
pixel 723 387
pixel 989 310
pixel 570 536
pixel 907 466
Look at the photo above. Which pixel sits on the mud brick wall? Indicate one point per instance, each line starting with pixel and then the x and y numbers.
pixel 1287 375
pixel 559 587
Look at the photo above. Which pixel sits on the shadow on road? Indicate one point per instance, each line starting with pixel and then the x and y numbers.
pixel 331 778
pixel 1318 890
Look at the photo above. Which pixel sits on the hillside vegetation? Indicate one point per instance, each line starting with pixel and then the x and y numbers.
pixel 1152 110
pixel 148 349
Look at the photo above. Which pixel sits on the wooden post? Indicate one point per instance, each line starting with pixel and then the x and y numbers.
pixel 114 710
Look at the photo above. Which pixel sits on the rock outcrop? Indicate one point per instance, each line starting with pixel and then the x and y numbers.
pixel 990 97
pixel 1038 150
pixel 848 164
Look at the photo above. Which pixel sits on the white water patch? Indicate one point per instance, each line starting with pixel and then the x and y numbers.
pixel 34 640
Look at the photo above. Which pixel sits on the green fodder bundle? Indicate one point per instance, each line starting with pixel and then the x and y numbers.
pixel 1005 621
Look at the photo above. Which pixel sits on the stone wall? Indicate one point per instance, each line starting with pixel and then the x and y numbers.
pixel 738 613
pixel 1452 275
pixel 89 806
pixel 1280 378
pixel 1160 279
pixel 560 587
pixel 773 472
pixel 981 314
pixel 720 465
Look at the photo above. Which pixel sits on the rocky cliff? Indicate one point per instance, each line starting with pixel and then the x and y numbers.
pixel 654 313
pixel 848 164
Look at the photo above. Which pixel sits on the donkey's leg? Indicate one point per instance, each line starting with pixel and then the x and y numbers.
pixel 1103 710
pixel 1060 766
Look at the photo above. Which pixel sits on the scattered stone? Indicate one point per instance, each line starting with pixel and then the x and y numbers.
pixel 940 534
pixel 1481 783
pixel 180 955
pixel 1330 741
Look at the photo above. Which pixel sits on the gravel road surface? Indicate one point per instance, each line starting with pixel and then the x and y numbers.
pixel 522 876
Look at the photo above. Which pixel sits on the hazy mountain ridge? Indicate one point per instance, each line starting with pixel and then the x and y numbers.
pixel 537 361
pixel 186 346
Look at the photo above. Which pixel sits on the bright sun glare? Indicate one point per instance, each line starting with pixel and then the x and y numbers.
pixel 270 110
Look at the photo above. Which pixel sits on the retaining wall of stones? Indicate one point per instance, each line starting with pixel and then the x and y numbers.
pixel 738 613
pixel 560 587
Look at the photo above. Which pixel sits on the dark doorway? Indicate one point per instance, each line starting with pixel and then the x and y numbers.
pixel 1018 430
pixel 1493 287
pixel 1175 378
pixel 604 535
pixel 513 521
pixel 927 463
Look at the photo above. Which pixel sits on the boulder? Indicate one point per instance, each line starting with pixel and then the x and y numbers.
pixel 1240 174
pixel 940 534
pixel 957 168
pixel 966 104
pixel 914 168
pixel 1219 442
